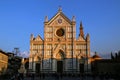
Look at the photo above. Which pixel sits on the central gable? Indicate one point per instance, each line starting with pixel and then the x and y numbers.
pixel 59 20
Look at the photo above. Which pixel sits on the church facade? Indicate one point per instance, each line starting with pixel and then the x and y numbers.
pixel 60 51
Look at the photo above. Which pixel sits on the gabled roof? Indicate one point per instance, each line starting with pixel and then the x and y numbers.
pixel 80 38
pixel 61 14
pixel 38 38
pixel 2 52
pixel 96 56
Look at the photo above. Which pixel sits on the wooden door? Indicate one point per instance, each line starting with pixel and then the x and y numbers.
pixel 59 66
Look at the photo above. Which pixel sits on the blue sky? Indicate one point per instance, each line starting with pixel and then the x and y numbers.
pixel 20 18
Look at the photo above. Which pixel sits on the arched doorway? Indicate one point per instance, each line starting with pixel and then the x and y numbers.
pixel 37 68
pixel 38 64
pixel 81 67
pixel 60 59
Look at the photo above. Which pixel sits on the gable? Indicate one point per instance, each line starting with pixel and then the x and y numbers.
pixel 38 38
pixel 59 20
pixel 80 38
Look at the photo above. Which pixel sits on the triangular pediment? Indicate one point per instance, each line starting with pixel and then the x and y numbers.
pixel 59 19
pixel 38 38
pixel 80 38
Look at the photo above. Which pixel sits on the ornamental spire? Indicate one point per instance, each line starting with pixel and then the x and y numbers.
pixel 46 18
pixel 73 18
pixel 31 37
pixel 60 9
pixel 88 37
pixel 81 30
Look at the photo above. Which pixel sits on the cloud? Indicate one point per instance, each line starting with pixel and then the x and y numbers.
pixel 92 53
pixel 24 54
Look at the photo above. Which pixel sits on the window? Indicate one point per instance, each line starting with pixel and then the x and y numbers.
pixel 69 46
pixel 69 29
pixel 49 29
pixel 48 35
pixel 69 35
pixel 48 53
pixel 78 46
pixel 49 46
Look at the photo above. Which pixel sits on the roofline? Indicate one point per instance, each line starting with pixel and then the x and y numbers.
pixel 59 13
pixel 3 52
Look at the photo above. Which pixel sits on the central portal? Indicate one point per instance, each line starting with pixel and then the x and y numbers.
pixel 60 59
pixel 59 66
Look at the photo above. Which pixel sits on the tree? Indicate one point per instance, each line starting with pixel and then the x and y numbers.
pixel 112 57
pixel 116 56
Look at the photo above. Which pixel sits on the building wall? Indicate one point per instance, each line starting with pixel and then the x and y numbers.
pixel 59 44
pixel 3 61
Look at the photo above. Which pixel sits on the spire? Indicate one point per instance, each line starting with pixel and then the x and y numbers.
pixel 88 37
pixel 81 26
pixel 95 53
pixel 32 37
pixel 59 9
pixel 73 18
pixel 81 30
pixel 46 18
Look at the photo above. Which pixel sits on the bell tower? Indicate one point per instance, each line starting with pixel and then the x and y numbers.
pixel 81 30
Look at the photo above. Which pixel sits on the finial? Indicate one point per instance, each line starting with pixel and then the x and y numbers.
pixel 73 18
pixel 88 37
pixel 95 53
pixel 46 18
pixel 81 30
pixel 59 9
pixel 32 36
pixel 81 26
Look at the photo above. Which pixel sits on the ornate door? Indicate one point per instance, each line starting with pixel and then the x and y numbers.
pixel 37 68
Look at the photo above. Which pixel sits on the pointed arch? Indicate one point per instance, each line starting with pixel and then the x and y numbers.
pixel 60 55
pixel 37 58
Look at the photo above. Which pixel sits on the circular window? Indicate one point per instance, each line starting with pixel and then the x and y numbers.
pixel 60 32
pixel 59 20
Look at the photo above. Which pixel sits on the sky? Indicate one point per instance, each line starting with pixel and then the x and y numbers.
pixel 21 18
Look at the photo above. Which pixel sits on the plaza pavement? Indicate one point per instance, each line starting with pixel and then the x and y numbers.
pixel 65 78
